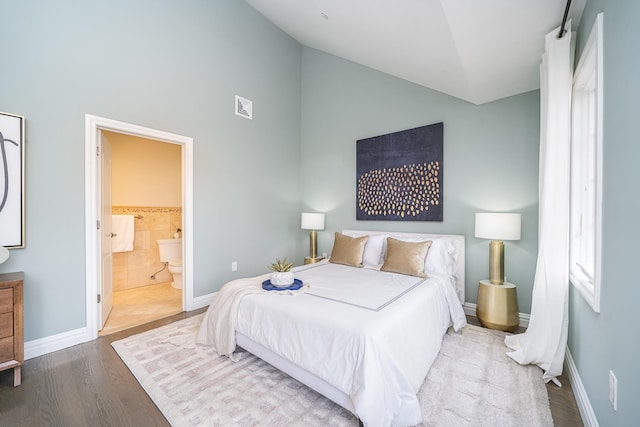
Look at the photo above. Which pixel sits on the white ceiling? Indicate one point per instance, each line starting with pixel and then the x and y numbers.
pixel 476 50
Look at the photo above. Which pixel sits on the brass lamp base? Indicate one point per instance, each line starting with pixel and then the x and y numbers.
pixel 313 248
pixel 497 306
pixel 313 244
pixel 496 262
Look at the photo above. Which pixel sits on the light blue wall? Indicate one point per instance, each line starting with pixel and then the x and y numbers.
pixel 609 340
pixel 490 158
pixel 173 66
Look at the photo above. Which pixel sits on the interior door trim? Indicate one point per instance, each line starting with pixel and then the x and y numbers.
pixel 93 126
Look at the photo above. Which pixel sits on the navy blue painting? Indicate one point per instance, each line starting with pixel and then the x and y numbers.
pixel 399 175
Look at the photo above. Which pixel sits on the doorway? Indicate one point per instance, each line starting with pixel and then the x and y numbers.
pixel 142 194
pixel 97 221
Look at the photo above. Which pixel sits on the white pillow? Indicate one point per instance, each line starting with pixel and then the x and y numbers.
pixel 442 257
pixel 373 250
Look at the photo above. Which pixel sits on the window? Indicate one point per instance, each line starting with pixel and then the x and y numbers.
pixel 586 170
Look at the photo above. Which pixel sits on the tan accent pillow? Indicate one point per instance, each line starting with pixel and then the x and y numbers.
pixel 348 250
pixel 406 257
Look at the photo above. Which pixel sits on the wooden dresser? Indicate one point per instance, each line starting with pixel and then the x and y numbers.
pixel 11 325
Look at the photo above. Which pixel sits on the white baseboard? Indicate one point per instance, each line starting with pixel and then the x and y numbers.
pixel 470 310
pixel 202 301
pixel 584 405
pixel 45 345
pixel 56 342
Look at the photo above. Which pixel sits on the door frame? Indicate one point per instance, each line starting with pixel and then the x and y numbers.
pixel 94 125
pixel 106 229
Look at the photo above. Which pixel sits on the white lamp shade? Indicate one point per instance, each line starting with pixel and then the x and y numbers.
pixel 312 221
pixel 4 254
pixel 498 226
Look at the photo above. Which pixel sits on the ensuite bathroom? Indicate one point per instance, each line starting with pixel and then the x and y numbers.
pixel 145 180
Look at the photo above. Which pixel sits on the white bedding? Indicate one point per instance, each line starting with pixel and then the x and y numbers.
pixel 362 287
pixel 378 358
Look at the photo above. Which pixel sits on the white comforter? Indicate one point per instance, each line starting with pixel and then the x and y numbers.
pixel 374 340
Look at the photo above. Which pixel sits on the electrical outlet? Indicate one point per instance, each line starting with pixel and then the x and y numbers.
pixel 613 390
pixel 234 266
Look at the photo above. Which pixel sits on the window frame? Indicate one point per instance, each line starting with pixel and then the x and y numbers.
pixel 585 241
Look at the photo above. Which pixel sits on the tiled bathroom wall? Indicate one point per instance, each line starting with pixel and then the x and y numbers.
pixel 134 269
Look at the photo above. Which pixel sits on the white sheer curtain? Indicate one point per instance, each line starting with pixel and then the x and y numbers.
pixel 545 340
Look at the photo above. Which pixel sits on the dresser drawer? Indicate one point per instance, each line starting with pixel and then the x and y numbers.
pixel 6 349
pixel 6 300
pixel 6 325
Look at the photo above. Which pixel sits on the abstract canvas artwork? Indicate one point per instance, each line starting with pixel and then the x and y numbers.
pixel 399 175
pixel 11 180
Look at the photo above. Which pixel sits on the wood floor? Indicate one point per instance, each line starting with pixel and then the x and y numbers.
pixel 88 385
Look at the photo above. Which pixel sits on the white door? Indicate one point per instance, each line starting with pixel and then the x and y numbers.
pixel 106 292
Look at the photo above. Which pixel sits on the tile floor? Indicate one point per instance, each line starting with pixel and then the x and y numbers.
pixel 133 307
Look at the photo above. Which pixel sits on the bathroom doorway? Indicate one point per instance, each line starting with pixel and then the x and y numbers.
pixel 151 185
pixel 146 207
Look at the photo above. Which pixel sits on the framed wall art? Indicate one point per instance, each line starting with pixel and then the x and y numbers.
pixel 399 175
pixel 12 180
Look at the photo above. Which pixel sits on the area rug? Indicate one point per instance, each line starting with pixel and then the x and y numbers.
pixel 472 383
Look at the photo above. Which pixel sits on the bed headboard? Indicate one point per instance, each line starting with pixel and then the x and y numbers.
pixel 456 239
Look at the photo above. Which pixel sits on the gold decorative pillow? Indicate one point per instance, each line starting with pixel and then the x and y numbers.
pixel 348 250
pixel 406 257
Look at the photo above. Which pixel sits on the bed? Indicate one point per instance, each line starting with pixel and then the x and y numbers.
pixel 362 337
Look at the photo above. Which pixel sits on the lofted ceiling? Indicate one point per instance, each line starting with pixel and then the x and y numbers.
pixel 476 50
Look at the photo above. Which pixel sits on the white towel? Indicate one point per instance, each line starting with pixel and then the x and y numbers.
pixel 122 228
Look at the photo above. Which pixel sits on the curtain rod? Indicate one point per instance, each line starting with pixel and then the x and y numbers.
pixel 564 21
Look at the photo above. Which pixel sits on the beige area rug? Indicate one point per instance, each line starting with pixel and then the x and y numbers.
pixel 472 383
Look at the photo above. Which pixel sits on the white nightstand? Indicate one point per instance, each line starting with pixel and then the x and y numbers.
pixel 497 306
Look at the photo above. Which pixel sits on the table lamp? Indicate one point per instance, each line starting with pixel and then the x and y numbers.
pixel 4 254
pixel 313 222
pixel 497 227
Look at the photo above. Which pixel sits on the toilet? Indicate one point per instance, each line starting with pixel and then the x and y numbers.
pixel 175 268
pixel 171 253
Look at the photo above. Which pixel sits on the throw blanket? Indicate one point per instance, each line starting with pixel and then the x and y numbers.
pixel 219 323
